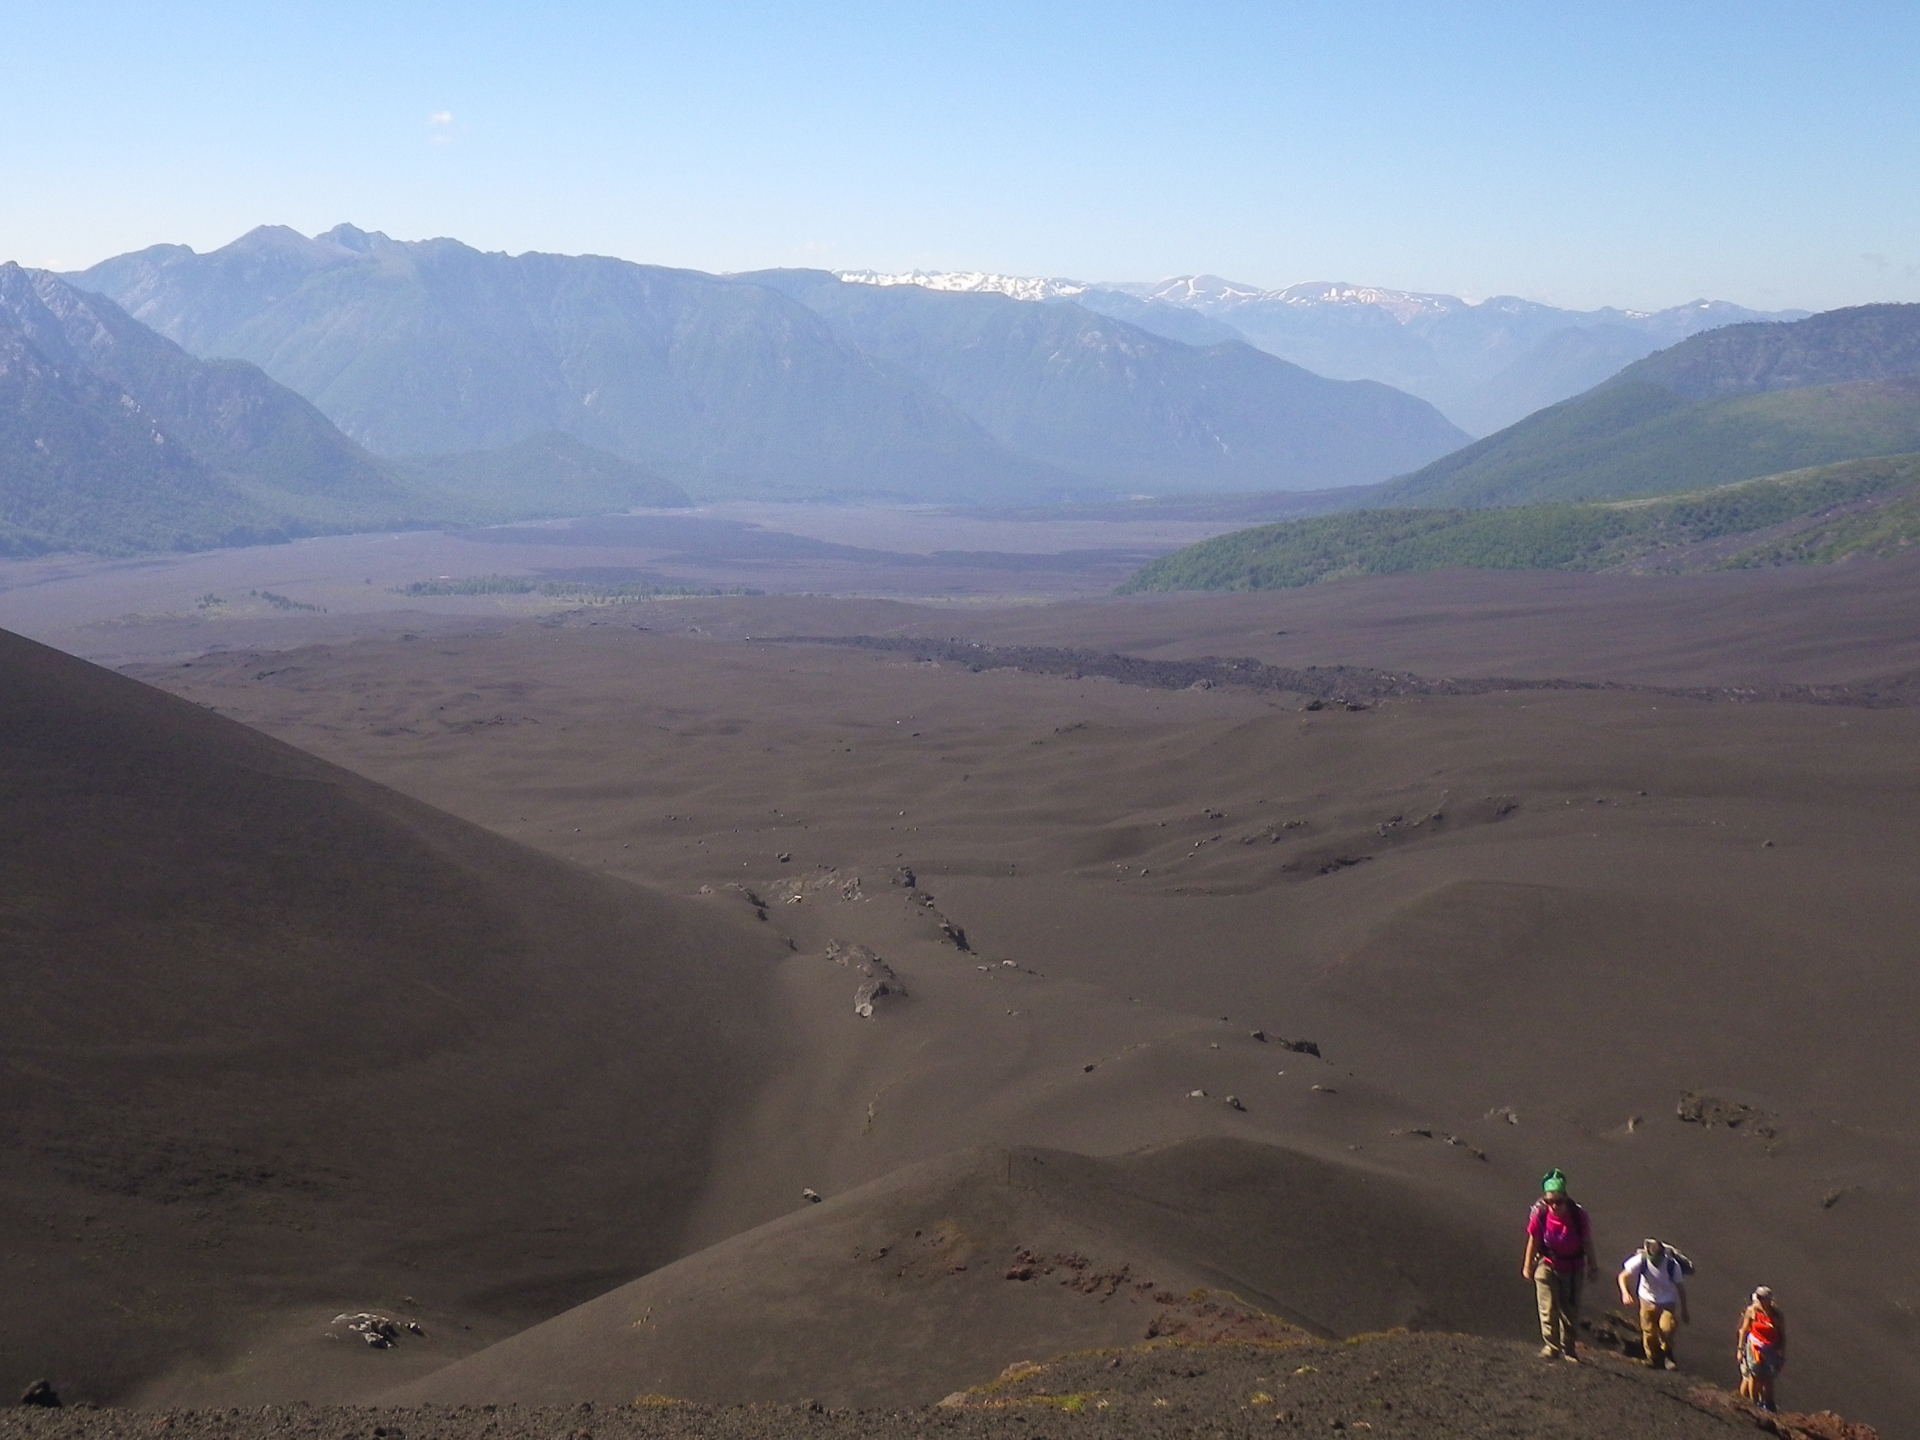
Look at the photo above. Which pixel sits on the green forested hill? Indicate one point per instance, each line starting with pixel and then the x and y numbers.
pixel 114 439
pixel 1810 516
pixel 227 412
pixel 81 469
pixel 1863 342
pixel 1729 404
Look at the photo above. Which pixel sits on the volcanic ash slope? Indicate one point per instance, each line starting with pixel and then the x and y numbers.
pixel 282 1043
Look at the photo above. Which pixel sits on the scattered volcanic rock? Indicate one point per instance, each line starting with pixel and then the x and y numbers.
pixel 880 981
pixel 1696 1108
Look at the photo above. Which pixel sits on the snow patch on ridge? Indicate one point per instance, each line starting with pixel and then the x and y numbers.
pixel 1219 297
pixel 1211 292
pixel 973 281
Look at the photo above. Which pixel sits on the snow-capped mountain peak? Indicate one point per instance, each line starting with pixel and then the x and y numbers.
pixel 1020 287
pixel 1403 305
pixel 1198 290
pixel 1216 295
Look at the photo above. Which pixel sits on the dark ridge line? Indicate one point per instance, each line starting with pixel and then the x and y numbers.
pixel 1338 684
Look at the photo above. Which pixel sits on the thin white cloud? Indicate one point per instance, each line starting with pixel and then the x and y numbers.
pixel 440 129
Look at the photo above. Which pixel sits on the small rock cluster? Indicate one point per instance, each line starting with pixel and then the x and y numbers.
pixel 880 980
pixel 1298 1047
pixel 1082 1275
pixel 1697 1108
pixel 374 1330
pixel 825 881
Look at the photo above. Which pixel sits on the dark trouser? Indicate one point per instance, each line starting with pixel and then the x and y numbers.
pixel 1559 1295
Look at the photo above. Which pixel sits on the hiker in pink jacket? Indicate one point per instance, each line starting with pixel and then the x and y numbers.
pixel 1560 1253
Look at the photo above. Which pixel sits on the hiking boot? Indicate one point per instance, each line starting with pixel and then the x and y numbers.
pixel 1547 1352
pixel 1669 1364
pixel 1571 1358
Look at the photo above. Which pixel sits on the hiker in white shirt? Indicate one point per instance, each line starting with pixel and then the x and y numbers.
pixel 1661 1290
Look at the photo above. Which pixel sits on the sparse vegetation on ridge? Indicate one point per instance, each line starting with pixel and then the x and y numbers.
pixel 1877 530
pixel 282 602
pixel 1856 507
pixel 562 589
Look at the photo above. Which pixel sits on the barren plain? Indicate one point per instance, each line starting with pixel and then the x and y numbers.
pixel 1178 968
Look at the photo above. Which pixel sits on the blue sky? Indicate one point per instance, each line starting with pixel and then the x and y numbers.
pixel 1628 154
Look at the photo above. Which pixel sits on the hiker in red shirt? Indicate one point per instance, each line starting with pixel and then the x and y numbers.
pixel 1762 1348
pixel 1560 1253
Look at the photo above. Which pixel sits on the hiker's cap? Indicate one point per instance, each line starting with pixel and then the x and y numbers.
pixel 1764 1292
pixel 1554 1181
pixel 1653 1245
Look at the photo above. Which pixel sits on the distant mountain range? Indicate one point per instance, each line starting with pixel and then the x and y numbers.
pixel 1483 365
pixel 770 385
pixel 114 439
pixel 1726 405
pixel 436 347
pixel 299 384
pixel 1097 396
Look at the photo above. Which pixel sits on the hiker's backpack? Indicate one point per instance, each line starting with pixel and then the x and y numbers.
pixel 1677 1256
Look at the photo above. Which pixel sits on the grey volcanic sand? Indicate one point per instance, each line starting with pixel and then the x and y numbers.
pixel 339 586
pixel 1425 1386
pixel 1811 625
pixel 278 1041
pixel 907 1285
pixel 1569 905
pixel 302 1046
